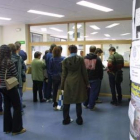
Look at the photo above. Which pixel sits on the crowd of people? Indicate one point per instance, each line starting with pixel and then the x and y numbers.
pixel 77 77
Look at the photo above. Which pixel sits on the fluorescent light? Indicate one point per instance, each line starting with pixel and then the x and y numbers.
pixel 94 33
pixel 71 32
pixel 94 6
pixel 95 27
pixel 78 26
pixel 113 25
pixel 107 35
pixel 45 13
pixel 125 34
pixel 86 36
pixel 3 18
pixel 106 38
pixel 113 39
pixel 55 29
pixel 43 29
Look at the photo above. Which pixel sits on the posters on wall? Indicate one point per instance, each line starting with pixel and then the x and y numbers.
pixel 134 106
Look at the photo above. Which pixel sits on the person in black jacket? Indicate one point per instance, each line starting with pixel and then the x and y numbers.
pixel 95 73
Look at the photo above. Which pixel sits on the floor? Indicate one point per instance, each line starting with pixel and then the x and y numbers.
pixel 42 123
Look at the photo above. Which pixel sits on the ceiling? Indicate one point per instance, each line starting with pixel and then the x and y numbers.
pixel 17 10
pixel 115 32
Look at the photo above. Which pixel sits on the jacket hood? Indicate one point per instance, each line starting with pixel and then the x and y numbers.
pixel 73 63
pixel 91 56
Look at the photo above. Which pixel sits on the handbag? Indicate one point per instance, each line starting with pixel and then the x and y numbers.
pixel 11 82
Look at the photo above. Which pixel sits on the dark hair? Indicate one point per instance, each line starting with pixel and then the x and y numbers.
pixel 60 47
pixel 56 52
pixel 5 55
pixel 92 49
pixel 73 49
pixel 18 45
pixel 52 47
pixel 37 54
pixel 98 50
pixel 13 48
pixel 45 54
pixel 112 49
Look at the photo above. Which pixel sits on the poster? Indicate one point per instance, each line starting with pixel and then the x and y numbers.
pixel 135 62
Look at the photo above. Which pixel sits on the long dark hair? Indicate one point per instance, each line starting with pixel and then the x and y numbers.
pixel 5 55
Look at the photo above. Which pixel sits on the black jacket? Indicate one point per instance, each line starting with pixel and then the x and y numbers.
pixel 94 67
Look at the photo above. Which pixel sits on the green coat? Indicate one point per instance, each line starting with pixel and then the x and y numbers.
pixel 74 80
pixel 37 68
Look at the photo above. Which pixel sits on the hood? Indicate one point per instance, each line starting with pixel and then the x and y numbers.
pixel 15 57
pixel 73 63
pixel 91 56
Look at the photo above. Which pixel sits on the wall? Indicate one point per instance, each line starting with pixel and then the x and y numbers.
pixel 1 36
pixel 10 35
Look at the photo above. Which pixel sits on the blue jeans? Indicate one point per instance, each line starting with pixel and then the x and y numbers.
pixel 1 102
pixel 20 96
pixel 49 88
pixel 93 93
pixel 115 86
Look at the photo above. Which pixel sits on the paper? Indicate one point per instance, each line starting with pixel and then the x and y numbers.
pixel 131 113
pixel 135 62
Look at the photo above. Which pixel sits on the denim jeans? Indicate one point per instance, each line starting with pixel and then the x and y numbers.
pixel 20 96
pixel 45 85
pixel 115 86
pixel 1 102
pixel 93 93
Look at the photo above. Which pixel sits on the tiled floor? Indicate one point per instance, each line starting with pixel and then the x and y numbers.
pixel 42 123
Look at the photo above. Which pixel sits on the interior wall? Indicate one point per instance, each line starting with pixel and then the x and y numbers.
pixel 1 36
pixel 10 35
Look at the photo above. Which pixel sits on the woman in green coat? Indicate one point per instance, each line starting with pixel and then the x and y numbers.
pixel 74 83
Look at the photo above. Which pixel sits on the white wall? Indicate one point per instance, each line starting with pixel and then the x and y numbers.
pixel 10 35
pixel 1 36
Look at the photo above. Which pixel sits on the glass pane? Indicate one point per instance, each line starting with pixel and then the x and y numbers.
pixel 109 30
pixel 42 49
pixel 123 49
pixel 80 32
pixel 49 33
pixel 71 32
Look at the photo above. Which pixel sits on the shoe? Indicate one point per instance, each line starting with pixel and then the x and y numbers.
pixel 43 101
pixel 84 106
pixel 48 100
pixel 1 112
pixel 35 101
pixel 79 121
pixel 98 101
pixel 114 103
pixel 120 102
pixel 23 106
pixel 66 123
pixel 55 108
pixel 93 109
pixel 22 131
pixel 8 132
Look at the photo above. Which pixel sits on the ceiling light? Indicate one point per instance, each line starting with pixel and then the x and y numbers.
pixel 107 35
pixel 95 27
pixel 43 29
pixel 106 38
pixel 86 36
pixel 45 13
pixel 3 18
pixel 94 33
pixel 78 26
pixel 113 25
pixel 125 34
pixel 113 39
pixel 55 29
pixel 94 6
pixel 71 32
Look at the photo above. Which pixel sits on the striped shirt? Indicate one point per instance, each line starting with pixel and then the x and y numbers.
pixel 11 72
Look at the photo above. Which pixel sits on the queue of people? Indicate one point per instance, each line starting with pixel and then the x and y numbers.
pixel 78 77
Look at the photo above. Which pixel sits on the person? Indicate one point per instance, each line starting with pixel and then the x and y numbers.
pixel 24 58
pixel 115 65
pixel 82 53
pixel 20 68
pixel 47 59
pixel 56 70
pixel 99 52
pixel 37 73
pixel 74 82
pixel 45 82
pixel 12 121
pixel 60 47
pixel 1 109
pixel 95 75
